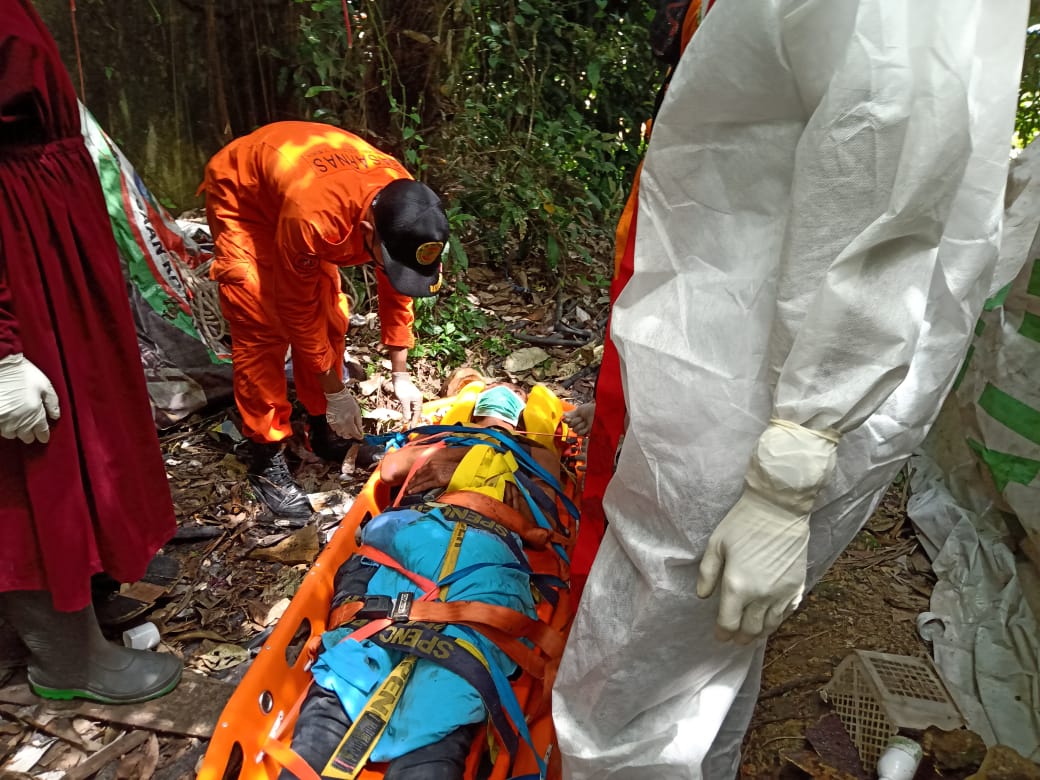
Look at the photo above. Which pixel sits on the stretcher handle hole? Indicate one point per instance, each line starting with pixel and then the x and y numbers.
pixel 233 769
pixel 266 702
pixel 298 642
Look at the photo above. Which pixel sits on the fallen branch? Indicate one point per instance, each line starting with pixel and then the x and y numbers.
pixel 790 685
pixel 61 731
pixel 592 369
pixel 116 749
pixel 552 341
pixel 793 645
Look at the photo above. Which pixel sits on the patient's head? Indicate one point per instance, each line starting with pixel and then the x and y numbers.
pixel 499 404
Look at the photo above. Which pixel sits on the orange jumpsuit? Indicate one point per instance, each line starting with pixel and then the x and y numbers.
pixel 285 204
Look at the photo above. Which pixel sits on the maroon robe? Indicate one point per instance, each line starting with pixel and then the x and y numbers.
pixel 95 497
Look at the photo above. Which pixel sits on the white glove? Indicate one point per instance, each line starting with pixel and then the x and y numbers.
pixel 27 399
pixel 759 551
pixel 344 414
pixel 408 395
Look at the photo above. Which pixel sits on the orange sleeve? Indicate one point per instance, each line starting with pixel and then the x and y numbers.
pixel 396 314
pixel 692 20
pixel 302 283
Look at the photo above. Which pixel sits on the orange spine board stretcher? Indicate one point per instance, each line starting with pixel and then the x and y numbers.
pixel 259 717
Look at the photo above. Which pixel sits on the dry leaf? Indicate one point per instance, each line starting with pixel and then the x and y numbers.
pixel 300 547
pixel 525 359
pixel 219 657
pixel 140 764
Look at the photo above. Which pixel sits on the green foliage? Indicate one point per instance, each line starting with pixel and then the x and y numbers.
pixel 549 124
pixel 1027 122
pixel 538 120
pixel 448 327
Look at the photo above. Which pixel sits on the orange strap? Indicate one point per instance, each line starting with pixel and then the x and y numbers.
pixel 475 614
pixel 525 657
pixel 286 757
pixel 504 515
pixel 273 746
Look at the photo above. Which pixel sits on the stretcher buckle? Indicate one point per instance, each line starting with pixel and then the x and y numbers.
pixel 375 607
pixel 402 607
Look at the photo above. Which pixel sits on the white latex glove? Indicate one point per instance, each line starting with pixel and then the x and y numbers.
pixel 408 395
pixel 344 414
pixel 27 399
pixel 758 553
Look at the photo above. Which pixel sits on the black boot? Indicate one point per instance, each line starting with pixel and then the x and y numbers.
pixel 70 659
pixel 325 442
pixel 273 484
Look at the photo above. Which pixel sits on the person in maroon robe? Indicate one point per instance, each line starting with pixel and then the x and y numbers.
pixel 83 489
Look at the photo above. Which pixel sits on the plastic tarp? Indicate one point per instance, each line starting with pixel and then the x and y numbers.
pixel 977 482
pixel 179 326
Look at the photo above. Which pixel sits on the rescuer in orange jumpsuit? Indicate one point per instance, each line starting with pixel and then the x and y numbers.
pixel 287 205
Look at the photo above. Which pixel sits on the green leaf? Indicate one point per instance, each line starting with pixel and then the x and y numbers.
pixel 318 90
pixel 458 253
pixel 552 252
pixel 593 73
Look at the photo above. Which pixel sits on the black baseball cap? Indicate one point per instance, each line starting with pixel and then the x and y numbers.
pixel 413 229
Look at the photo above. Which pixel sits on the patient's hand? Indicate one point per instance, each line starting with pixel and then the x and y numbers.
pixel 580 418
pixel 437 471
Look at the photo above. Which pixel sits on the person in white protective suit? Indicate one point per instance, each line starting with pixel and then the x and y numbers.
pixel 818 223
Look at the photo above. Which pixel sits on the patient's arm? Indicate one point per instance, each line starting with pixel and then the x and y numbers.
pixel 440 466
pixel 436 472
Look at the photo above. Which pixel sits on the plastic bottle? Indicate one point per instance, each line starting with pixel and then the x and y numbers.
pixel 142 637
pixel 900 759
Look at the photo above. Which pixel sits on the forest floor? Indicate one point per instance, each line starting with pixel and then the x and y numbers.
pixel 239 566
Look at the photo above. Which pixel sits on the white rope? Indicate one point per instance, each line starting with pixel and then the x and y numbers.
pixel 205 306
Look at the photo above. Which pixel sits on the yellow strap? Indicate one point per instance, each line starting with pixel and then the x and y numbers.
pixel 461 410
pixel 542 416
pixel 375 715
pixel 451 556
pixel 482 470
pixel 381 704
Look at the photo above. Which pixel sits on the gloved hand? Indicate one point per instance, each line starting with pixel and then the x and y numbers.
pixel 27 399
pixel 344 414
pixel 408 395
pixel 759 552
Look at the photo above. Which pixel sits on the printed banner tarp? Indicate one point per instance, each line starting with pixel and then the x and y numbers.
pixel 184 350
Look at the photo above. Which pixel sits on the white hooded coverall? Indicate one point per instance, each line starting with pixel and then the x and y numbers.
pixel 819 218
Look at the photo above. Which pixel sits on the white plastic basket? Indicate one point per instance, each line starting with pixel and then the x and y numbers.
pixel 877 695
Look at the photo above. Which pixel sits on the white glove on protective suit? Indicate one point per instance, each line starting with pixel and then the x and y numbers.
pixel 344 414
pixel 408 395
pixel 759 551
pixel 27 399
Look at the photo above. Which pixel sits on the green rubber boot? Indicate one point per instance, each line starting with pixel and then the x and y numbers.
pixel 70 659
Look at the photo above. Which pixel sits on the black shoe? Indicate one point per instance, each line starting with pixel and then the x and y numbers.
pixel 369 455
pixel 273 484
pixel 325 442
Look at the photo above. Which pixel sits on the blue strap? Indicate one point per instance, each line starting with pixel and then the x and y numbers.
pixel 506 440
pixel 510 703
pixel 545 583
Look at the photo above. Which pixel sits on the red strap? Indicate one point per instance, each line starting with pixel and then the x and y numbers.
pixel 346 22
pixel 430 587
pixel 79 59
pixel 418 463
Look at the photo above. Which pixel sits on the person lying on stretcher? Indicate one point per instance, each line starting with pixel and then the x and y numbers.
pixel 500 406
pixel 415 692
